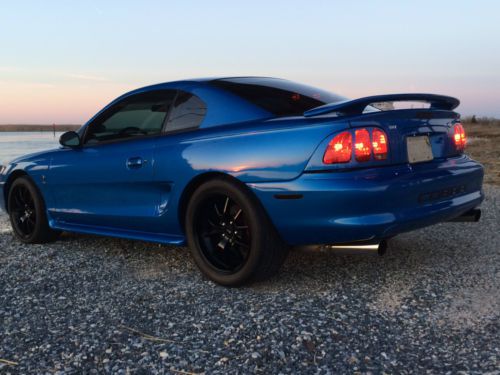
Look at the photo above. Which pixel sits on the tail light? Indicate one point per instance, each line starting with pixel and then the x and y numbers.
pixel 379 143
pixel 459 137
pixel 362 146
pixel 339 149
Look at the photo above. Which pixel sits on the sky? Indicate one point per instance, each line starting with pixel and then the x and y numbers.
pixel 62 61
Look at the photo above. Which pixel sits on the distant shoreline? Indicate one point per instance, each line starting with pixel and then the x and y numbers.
pixel 38 128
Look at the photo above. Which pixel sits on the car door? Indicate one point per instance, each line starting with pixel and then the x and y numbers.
pixel 171 170
pixel 108 181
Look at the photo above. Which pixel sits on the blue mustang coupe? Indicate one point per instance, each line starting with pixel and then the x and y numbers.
pixel 241 169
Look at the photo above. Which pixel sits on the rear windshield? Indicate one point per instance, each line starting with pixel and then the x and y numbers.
pixel 278 96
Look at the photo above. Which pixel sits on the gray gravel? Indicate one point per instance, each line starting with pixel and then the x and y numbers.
pixel 93 305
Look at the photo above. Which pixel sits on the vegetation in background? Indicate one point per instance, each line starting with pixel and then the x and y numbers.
pixel 483 145
pixel 38 128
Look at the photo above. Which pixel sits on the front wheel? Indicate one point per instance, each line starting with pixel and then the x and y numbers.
pixel 231 238
pixel 27 213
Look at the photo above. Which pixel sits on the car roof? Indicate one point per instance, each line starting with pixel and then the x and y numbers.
pixel 224 107
pixel 183 82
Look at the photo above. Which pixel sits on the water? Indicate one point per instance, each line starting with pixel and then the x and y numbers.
pixel 14 144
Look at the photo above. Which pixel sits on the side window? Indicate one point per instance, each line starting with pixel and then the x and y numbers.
pixel 188 112
pixel 138 115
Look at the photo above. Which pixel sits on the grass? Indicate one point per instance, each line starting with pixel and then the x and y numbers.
pixel 483 145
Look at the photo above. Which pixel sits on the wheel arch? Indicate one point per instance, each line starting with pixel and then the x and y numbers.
pixel 199 180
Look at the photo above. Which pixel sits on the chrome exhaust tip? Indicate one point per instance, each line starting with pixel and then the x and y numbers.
pixel 471 216
pixel 357 248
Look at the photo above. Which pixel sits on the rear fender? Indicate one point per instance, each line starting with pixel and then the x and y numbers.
pixel 273 151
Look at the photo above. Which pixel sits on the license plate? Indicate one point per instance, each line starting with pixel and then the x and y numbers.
pixel 419 149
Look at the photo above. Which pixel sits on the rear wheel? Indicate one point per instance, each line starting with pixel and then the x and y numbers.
pixel 27 213
pixel 231 238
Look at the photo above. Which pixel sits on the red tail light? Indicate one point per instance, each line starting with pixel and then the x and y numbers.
pixel 459 137
pixel 362 146
pixel 339 149
pixel 379 143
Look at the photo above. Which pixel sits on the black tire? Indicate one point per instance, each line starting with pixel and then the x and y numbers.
pixel 27 213
pixel 216 231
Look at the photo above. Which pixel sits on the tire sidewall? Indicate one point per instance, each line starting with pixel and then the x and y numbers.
pixel 39 209
pixel 255 221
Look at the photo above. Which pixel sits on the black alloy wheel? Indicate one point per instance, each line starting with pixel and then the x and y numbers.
pixel 231 238
pixel 23 211
pixel 223 233
pixel 27 212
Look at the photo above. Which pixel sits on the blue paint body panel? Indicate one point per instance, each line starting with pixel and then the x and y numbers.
pixel 373 203
pixel 92 190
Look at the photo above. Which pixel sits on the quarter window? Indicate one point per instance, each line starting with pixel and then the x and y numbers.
pixel 277 96
pixel 138 115
pixel 187 112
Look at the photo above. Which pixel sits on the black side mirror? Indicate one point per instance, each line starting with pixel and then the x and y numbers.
pixel 70 139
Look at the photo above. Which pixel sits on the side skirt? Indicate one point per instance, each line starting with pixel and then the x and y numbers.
pixel 165 239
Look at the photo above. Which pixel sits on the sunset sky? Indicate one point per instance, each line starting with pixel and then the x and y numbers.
pixel 61 61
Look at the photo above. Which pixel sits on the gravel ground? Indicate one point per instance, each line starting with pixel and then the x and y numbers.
pixel 93 305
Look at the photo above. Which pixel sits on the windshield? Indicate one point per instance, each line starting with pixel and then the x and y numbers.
pixel 278 96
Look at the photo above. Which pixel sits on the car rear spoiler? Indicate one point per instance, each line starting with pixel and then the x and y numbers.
pixel 357 106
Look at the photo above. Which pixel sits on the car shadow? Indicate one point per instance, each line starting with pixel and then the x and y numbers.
pixel 408 254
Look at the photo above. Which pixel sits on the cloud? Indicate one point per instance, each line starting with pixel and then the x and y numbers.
pixel 25 85
pixel 86 77
pixel 50 73
pixel 8 69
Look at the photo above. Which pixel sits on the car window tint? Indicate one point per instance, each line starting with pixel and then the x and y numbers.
pixel 138 115
pixel 278 96
pixel 187 112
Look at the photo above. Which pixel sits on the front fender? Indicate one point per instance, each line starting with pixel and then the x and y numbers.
pixel 35 166
pixel 3 179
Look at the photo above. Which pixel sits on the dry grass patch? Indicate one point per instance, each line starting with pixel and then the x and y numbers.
pixel 484 146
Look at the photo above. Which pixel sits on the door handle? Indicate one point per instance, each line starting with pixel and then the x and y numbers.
pixel 135 162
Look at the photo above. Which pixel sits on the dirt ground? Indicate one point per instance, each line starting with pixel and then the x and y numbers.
pixel 483 145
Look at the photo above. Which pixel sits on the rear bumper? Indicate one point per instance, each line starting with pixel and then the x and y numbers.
pixel 371 204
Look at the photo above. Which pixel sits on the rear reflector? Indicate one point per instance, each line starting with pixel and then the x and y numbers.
pixel 362 147
pixel 339 149
pixel 379 143
pixel 459 137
